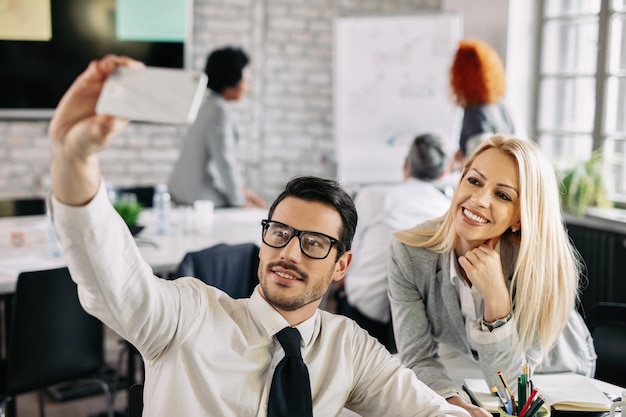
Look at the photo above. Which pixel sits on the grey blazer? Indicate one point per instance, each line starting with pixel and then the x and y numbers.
pixel 426 311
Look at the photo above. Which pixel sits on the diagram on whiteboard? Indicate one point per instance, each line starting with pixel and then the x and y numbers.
pixel 391 84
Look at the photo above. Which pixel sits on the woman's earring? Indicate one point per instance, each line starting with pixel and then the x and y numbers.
pixel 514 229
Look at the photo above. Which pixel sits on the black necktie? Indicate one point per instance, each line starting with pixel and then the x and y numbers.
pixel 290 393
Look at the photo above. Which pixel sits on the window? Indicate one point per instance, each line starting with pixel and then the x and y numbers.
pixel 582 84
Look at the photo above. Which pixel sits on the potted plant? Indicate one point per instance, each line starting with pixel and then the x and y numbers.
pixel 130 210
pixel 584 185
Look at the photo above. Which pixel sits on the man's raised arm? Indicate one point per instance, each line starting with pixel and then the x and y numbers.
pixel 78 134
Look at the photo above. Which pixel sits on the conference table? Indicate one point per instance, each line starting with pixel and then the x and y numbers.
pixel 27 243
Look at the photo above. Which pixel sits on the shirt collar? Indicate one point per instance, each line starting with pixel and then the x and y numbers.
pixel 454 268
pixel 264 315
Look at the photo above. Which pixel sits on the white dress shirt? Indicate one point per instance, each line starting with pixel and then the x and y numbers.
pixel 382 211
pixel 458 365
pixel 207 354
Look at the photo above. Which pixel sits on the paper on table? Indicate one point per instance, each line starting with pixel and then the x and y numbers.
pixel 481 394
pixel 249 216
pixel 571 392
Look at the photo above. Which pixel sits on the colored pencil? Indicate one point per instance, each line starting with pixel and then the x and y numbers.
pixel 495 392
pixel 521 389
pixel 535 407
pixel 529 401
pixel 506 386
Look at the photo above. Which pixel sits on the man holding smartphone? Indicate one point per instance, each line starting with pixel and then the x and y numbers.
pixel 207 168
pixel 273 354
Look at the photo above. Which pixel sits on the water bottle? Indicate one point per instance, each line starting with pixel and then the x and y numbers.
pixel 161 204
pixel 111 192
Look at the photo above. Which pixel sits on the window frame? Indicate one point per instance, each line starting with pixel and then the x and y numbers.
pixel 602 77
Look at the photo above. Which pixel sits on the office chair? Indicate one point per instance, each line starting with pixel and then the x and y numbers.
pixel 231 268
pixel 50 339
pixel 135 400
pixel 144 194
pixel 607 324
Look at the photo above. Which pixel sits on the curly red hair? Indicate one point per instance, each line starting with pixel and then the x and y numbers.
pixel 477 75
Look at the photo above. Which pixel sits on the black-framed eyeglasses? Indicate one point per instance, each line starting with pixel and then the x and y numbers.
pixel 313 244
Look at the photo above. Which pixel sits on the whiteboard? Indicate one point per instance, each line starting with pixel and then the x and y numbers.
pixel 391 84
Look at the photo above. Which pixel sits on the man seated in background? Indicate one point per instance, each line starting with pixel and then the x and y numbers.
pixel 204 352
pixel 384 210
pixel 207 167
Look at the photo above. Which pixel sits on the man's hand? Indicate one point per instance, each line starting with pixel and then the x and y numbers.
pixel 78 134
pixel 474 410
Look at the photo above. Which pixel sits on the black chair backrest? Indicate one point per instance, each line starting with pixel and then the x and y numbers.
pixel 51 338
pixel 144 194
pixel 135 400
pixel 231 268
pixel 607 324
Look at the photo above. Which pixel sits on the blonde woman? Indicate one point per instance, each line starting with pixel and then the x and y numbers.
pixel 494 280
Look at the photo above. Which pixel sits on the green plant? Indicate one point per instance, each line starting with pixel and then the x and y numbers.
pixel 129 211
pixel 585 185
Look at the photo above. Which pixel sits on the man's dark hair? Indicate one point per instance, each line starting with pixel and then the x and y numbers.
pixel 224 67
pixel 327 192
pixel 426 158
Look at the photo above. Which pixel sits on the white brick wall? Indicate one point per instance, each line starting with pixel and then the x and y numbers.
pixel 285 121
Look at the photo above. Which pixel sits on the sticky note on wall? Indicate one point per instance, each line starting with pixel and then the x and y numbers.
pixel 151 20
pixel 25 20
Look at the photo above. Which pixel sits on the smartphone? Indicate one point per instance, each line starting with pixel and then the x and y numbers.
pixel 153 94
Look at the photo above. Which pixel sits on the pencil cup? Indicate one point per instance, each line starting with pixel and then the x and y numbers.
pixel 542 412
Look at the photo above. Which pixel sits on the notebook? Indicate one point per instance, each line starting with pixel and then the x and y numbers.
pixel 562 392
pixel 481 394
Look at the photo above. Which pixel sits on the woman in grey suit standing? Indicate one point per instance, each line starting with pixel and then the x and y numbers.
pixel 495 280
pixel 478 86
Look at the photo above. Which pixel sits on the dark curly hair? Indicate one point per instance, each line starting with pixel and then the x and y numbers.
pixel 224 67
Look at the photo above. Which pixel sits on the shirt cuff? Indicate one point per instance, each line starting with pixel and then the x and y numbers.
pixel 74 218
pixel 456 393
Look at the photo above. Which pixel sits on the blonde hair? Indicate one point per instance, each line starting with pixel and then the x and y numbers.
pixel 547 271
